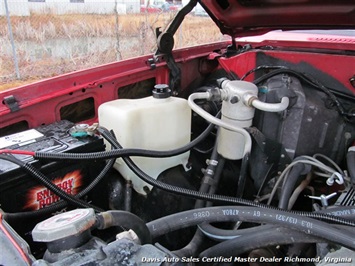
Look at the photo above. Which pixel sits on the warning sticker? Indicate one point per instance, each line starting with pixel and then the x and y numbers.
pixel 19 138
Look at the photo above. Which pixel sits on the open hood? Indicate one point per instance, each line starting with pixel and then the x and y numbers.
pixel 251 17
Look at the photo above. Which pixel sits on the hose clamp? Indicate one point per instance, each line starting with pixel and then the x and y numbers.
pixel 211 162
pixel 248 99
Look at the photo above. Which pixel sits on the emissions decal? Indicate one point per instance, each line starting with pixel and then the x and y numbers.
pixel 39 197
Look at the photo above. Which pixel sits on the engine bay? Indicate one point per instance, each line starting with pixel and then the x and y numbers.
pixel 250 160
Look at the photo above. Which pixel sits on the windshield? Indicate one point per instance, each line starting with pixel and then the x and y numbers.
pixel 41 39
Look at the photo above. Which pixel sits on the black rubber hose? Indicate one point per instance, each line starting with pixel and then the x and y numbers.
pixel 61 203
pixel 208 179
pixel 124 152
pixel 127 220
pixel 290 183
pixel 347 212
pixel 285 219
pixel 259 238
pixel 193 247
pixel 219 234
pixel 350 161
pixel 212 197
pixel 217 177
pixel 242 176
pixel 197 240
pixel 49 184
pixel 206 228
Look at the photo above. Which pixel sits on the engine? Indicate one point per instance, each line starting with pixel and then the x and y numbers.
pixel 259 173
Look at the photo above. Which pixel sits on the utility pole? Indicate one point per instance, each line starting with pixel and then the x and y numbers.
pixel 117 31
pixel 12 41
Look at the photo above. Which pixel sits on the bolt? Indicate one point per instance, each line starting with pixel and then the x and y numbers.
pixel 324 198
pixel 234 99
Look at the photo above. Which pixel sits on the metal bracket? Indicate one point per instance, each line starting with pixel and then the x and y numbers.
pixel 152 63
pixel 175 72
pixel 274 150
pixel 166 44
pixel 352 81
pixel 11 102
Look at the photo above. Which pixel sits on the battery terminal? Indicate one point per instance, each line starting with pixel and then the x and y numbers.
pixel 83 130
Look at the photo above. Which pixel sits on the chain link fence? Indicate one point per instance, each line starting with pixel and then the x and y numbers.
pixel 44 38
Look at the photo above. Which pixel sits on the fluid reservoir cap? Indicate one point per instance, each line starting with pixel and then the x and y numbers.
pixel 64 225
pixel 161 91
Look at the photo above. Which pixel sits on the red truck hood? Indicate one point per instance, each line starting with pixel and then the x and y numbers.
pixel 251 17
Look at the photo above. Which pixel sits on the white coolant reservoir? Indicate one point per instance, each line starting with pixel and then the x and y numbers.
pixel 159 122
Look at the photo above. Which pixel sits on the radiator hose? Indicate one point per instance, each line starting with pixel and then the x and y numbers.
pixel 127 220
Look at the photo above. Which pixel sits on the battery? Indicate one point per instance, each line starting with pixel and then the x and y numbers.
pixel 21 192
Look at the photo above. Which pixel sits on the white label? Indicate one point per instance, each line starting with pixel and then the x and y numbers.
pixel 19 138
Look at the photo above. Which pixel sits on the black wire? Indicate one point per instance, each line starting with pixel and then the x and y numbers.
pixel 262 67
pixel 311 81
pixel 61 203
pixel 125 152
pixel 32 171
pixel 212 197
pixel 242 175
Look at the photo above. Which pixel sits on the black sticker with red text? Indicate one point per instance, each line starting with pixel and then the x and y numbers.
pixel 39 197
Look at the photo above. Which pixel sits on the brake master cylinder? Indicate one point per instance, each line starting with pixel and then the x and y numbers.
pixel 158 122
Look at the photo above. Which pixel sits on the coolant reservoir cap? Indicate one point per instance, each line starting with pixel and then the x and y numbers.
pixel 161 91
pixel 64 225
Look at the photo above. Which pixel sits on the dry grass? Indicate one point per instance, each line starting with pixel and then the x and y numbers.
pixel 134 37
pixel 40 27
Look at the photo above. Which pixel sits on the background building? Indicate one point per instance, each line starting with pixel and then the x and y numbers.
pixel 26 7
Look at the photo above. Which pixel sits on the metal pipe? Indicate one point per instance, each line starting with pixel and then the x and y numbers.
pixel 270 107
pixel 210 118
